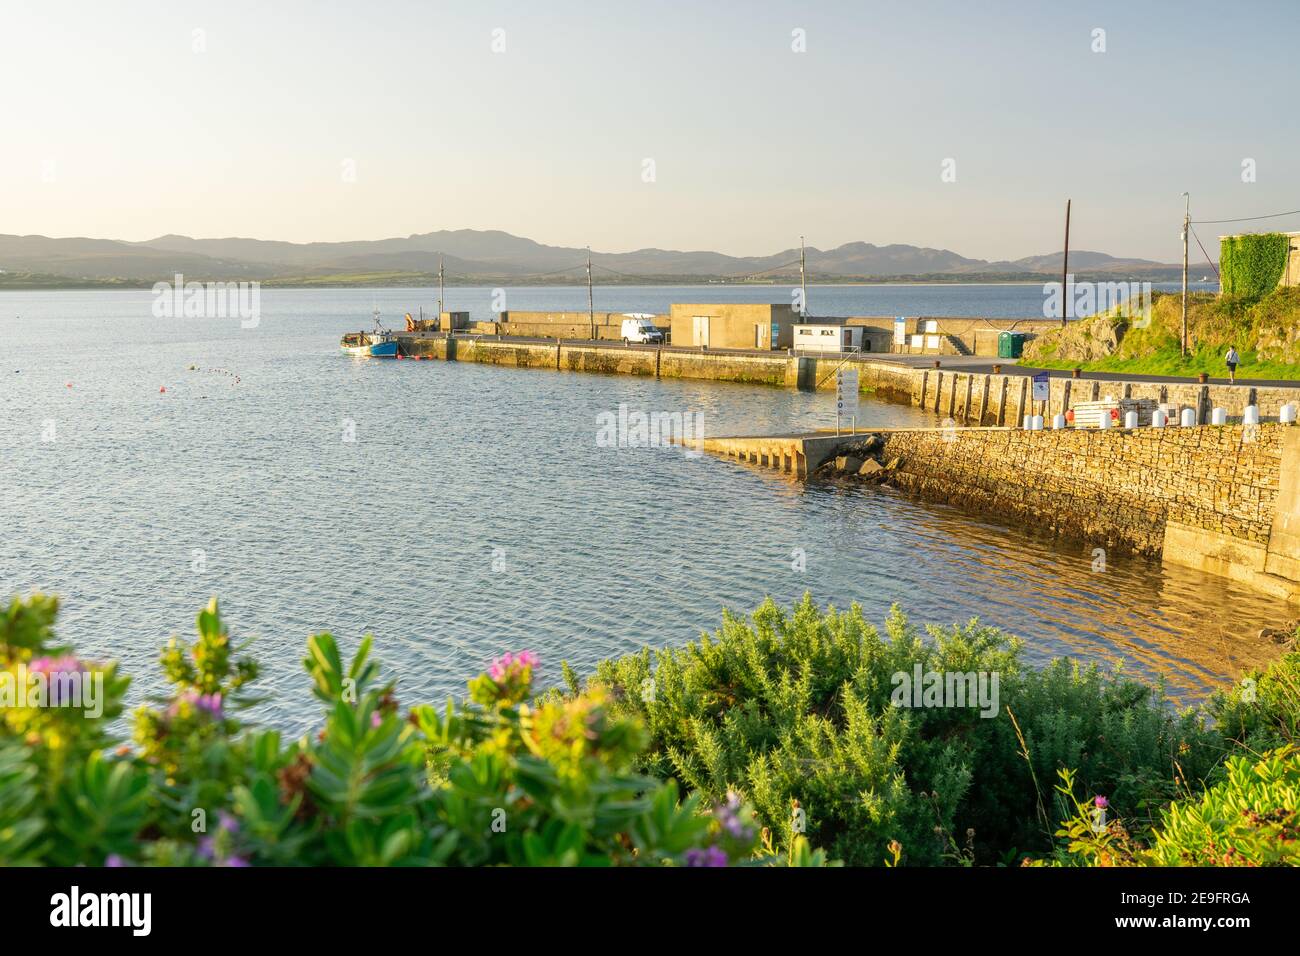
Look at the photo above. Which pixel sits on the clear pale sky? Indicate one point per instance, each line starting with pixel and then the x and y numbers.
pixel 115 127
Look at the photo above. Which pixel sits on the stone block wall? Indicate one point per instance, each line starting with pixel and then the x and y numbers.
pixel 1114 487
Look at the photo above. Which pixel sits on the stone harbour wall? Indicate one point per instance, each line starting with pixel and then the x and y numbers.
pixel 1115 487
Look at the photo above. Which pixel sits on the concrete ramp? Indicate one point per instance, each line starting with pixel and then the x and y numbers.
pixel 798 455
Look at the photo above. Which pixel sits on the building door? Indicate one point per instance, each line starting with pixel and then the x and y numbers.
pixel 701 330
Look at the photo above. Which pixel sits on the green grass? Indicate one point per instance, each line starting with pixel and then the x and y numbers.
pixel 1173 362
pixel 1214 323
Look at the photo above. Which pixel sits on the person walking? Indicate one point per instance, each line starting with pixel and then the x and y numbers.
pixel 1232 358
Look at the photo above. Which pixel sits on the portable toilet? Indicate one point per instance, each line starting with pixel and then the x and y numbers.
pixel 1011 344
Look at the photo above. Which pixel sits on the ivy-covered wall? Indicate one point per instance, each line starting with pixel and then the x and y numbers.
pixel 1252 265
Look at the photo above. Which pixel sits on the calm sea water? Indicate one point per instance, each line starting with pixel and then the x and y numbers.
pixel 1019 301
pixel 475 511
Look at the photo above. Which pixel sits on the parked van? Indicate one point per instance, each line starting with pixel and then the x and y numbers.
pixel 640 327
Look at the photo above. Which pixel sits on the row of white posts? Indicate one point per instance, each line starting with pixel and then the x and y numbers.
pixel 1218 416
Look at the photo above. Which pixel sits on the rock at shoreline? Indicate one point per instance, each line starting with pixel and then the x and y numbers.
pixel 1280 635
pixel 871 469
pixel 848 463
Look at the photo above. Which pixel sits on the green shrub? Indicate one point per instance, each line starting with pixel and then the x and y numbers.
pixel 795 712
pixel 492 780
pixel 1251 817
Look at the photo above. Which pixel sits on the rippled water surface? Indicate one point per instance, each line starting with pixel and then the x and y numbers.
pixel 603 550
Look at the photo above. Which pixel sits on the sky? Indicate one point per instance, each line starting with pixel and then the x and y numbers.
pixel 732 126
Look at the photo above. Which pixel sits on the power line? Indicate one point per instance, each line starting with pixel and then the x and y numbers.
pixel 1275 215
pixel 1207 256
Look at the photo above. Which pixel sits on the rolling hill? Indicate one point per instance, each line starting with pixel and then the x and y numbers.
pixel 472 255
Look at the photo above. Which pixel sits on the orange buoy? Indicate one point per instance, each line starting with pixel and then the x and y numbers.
pixel 162 388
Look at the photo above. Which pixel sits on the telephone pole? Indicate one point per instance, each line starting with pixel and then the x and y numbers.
pixel 1065 269
pixel 1187 222
pixel 591 312
pixel 441 290
pixel 803 285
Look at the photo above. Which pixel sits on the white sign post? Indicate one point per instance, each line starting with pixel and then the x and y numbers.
pixel 846 396
pixel 1042 389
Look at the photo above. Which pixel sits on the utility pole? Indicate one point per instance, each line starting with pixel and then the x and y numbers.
pixel 803 284
pixel 591 313
pixel 441 290
pixel 1065 269
pixel 1187 222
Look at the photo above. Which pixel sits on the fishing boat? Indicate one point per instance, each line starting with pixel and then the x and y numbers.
pixel 379 343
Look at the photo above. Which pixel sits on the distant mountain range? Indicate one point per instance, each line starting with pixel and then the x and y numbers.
pixel 471 255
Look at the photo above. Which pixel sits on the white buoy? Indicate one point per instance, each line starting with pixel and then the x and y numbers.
pixel 1058 421
pixel 1219 416
pixel 1251 417
pixel 1159 419
pixel 1130 419
pixel 1038 423
pixel 1027 422
pixel 1103 420
pixel 1287 414
pixel 1189 417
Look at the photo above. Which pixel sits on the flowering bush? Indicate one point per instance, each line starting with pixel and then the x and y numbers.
pixel 796 710
pixel 1250 818
pixel 493 780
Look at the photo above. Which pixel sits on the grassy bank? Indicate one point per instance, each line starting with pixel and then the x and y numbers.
pixel 1265 331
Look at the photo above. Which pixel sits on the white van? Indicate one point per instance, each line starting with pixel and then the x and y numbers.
pixel 640 327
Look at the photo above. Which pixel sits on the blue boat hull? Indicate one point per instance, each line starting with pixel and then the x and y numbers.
pixel 384 349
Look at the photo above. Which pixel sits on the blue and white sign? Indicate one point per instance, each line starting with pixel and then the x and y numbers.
pixel 1042 387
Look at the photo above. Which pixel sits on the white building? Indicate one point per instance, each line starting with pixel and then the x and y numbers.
pixel 828 338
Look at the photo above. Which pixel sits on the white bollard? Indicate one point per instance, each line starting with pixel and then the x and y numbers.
pixel 1251 417
pixel 1219 416
pixel 1287 414
pixel 1189 417
pixel 1103 420
pixel 1038 423
pixel 1159 419
pixel 1058 421
pixel 1027 422
pixel 1130 419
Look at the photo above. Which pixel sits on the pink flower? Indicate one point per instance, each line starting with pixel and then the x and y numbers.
pixel 1101 802
pixel 509 665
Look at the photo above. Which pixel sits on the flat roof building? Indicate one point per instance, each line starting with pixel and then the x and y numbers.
pixel 734 325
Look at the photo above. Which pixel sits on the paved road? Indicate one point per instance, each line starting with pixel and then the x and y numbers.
pixel 978 364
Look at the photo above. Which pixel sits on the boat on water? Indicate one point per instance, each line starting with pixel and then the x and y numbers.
pixel 378 343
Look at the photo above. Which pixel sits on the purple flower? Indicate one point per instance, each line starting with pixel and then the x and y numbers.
pixel 710 856
pixel 1101 802
pixel 207 704
pixel 52 667
pixel 728 816
pixel 376 718
pixel 114 860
